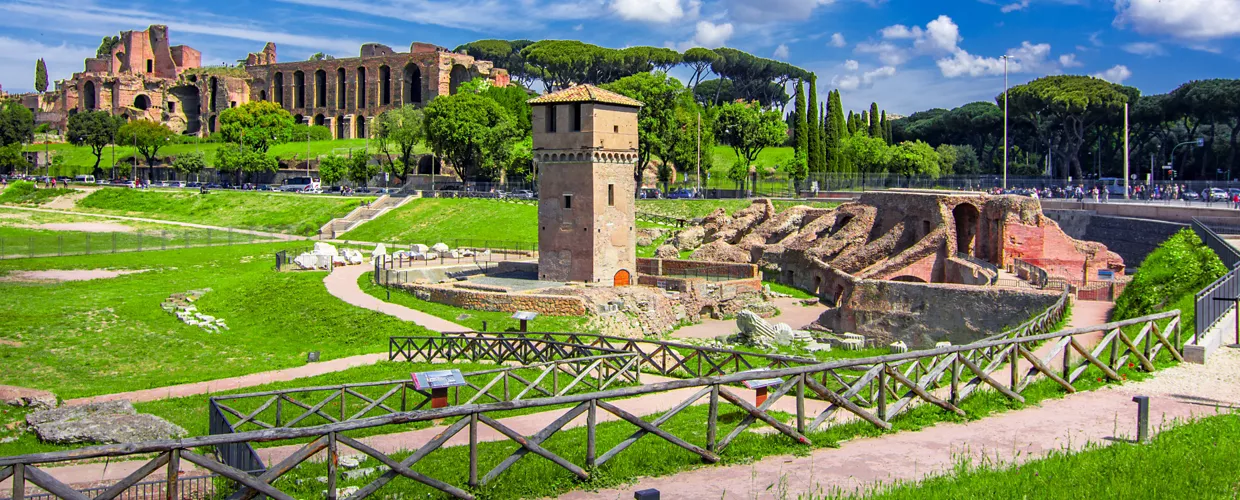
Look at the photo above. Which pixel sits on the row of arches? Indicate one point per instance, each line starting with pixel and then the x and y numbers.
pixel 598 156
pixel 339 129
pixel 411 87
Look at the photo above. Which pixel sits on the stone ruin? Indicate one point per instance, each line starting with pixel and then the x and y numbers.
pixel 326 256
pixel 182 306
pixel 905 265
pixel 104 423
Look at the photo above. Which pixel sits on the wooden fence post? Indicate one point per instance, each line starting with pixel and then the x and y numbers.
pixel 333 460
pixel 881 397
pixel 174 469
pixel 473 449
pixel 19 481
pixel 1014 361
pixel 712 418
pixel 591 424
pixel 801 404
pixel 955 397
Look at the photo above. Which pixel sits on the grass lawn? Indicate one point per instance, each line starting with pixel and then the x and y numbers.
pixel 15 241
pixel 104 336
pixel 433 220
pixel 26 193
pixel 496 321
pixel 274 212
pixel 80 160
pixel 1195 460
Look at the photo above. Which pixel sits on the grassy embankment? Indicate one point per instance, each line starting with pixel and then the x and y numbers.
pixel 272 212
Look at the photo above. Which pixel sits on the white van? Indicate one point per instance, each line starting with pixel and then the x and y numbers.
pixel 84 179
pixel 300 184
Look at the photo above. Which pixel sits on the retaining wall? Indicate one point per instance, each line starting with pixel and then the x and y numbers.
pixel 551 305
pixel 1133 239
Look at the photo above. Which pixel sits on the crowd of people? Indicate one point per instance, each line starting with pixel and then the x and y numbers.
pixel 1138 192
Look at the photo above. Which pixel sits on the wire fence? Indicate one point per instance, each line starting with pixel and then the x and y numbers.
pixel 1214 301
pixel 59 244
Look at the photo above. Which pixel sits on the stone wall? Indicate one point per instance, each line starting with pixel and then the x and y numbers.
pixel 923 314
pixel 1132 239
pixel 552 305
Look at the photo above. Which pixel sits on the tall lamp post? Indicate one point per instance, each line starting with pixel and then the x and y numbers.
pixel 1005 122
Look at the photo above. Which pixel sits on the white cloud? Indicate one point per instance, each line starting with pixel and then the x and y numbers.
pixel 1147 49
pixel 1069 61
pixel 1116 74
pixel 767 11
pixel 709 35
pixel 941 34
pixel 963 63
pixel 781 52
pixel 851 65
pixel 837 40
pixel 655 11
pixel 1028 58
pixel 1187 19
pixel 846 82
pixel 864 80
pixel 17 59
pixel 900 32
pixel 869 77
pixel 887 52
pixel 1013 7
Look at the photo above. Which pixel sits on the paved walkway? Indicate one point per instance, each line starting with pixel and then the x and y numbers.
pixel 228 384
pixel 342 283
pixel 277 236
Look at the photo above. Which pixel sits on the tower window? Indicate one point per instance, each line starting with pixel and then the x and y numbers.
pixel 568 202
pixel 550 119
pixel 172 107
pixel 611 195
pixel 150 66
pixel 576 117
pixel 615 128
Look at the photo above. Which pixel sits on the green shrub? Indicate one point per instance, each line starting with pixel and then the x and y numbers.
pixel 1178 268
pixel 317 133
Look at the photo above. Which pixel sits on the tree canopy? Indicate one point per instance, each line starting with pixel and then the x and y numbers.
pixel 40 76
pixel 1075 103
pixel 656 122
pixel 256 124
pixel 148 137
pixel 471 132
pixel 748 129
pixel 95 129
pixel 398 133
pixel 16 124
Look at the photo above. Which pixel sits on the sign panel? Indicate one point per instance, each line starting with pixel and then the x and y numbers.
pixel 761 383
pixel 525 315
pixel 441 379
pixel 1106 275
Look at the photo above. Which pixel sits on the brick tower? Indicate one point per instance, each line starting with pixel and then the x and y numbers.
pixel 585 147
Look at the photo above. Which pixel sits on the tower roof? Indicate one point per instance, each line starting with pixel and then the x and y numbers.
pixel 586 93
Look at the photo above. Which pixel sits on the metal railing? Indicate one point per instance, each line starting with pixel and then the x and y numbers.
pixel 875 390
pixel 980 263
pixel 63 243
pixel 198 486
pixel 1214 301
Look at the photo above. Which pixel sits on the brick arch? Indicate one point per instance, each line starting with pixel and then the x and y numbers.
pixel 411 83
pixel 90 96
pixel 459 74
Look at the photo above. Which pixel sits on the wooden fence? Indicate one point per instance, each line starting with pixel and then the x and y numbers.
pixel 874 390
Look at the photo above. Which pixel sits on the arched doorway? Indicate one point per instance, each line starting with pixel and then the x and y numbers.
pixel 361 87
pixel 361 127
pixel 340 130
pixel 385 85
pixel 340 88
pixel 412 84
pixel 299 90
pixel 458 76
pixel 211 98
pixel 319 120
pixel 622 278
pixel 320 89
pixel 142 102
pixel 966 217
pixel 89 96
pixel 277 85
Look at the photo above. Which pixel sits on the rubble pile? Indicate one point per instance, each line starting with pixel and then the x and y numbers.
pixel 182 306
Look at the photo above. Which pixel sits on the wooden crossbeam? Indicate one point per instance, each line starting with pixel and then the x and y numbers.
pixel 667 415
pixel 316 409
pixel 1037 363
pixel 841 401
pixel 374 403
pixel 847 396
pixel 535 441
pixel 920 391
pixel 235 474
pixel 533 447
pixel 760 414
pixel 1091 359
pixel 1162 339
pixel 987 379
pixel 274 472
pixel 51 484
pixel 422 452
pixel 633 419
pixel 251 417
pixel 402 469
pixel 116 489
pixel 1145 362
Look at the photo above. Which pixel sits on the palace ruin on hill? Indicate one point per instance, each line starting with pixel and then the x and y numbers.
pixel 146 77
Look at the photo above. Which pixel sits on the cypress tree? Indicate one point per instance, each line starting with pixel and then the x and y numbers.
pixel 838 115
pixel 814 147
pixel 40 76
pixel 825 143
pixel 852 123
pixel 832 131
pixel 863 123
pixel 874 125
pixel 888 132
pixel 800 125
pixel 882 128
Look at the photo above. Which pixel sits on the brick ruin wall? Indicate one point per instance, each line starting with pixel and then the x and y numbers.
pixel 551 305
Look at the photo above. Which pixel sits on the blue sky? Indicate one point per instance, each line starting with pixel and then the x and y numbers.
pixel 907 55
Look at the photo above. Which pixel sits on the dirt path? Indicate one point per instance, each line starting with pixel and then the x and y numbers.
pixel 277 236
pixel 228 384
pixel 342 283
pixel 68 201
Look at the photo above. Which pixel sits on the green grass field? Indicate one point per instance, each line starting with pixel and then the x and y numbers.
pixel 103 336
pixel 1196 460
pixel 79 160
pixel 26 193
pixel 432 220
pixel 274 212
pixel 692 209
pixel 24 242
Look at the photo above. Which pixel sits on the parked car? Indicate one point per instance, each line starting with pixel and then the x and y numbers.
pixel 1190 196
pixel 651 193
pixel 299 184
pixel 681 194
pixel 523 194
pixel 451 187
pixel 1218 194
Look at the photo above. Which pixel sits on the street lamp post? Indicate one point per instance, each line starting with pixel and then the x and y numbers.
pixel 1005 122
